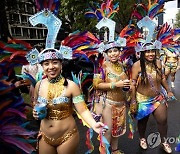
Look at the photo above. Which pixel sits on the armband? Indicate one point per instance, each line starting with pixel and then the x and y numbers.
pixel 78 99
pixel 133 107
pixel 112 85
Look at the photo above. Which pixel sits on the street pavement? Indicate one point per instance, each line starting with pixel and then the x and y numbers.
pixel 131 146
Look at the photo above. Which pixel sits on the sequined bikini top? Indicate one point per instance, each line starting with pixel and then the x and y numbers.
pixel 113 71
pixel 58 108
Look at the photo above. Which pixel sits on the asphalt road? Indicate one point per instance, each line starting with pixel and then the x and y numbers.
pixel 131 146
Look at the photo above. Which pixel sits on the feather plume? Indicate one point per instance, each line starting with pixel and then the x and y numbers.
pixel 166 35
pixel 107 9
pixel 26 147
pixel 151 10
pixel 52 5
pixel 12 107
pixel 83 44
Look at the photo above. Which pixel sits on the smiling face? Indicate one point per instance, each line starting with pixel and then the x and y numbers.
pixel 150 55
pixel 113 54
pixel 52 68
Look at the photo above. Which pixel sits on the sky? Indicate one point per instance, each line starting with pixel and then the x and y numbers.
pixel 170 12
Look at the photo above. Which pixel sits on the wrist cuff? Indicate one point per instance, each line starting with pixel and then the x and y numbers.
pixel 112 85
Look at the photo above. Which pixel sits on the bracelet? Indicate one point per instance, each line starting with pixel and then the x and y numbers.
pixel 112 85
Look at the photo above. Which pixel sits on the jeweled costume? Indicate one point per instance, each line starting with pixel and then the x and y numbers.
pixel 163 40
pixel 171 61
pixel 115 97
pixel 58 107
pixel 147 104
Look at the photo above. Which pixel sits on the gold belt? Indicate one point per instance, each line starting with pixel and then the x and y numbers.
pixel 111 102
pixel 55 114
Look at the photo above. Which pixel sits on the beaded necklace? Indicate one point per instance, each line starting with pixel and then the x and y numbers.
pixel 55 87
pixel 117 67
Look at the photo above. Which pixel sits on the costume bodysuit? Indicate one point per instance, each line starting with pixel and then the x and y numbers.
pixel 115 97
pixel 147 104
pixel 57 109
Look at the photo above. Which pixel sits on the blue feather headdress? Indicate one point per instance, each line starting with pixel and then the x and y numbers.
pixel 104 14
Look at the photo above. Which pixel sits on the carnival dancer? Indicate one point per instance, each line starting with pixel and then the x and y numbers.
pixel 112 100
pixel 171 61
pixel 58 129
pixel 110 78
pixel 55 96
pixel 169 52
pixel 147 79
pixel 147 75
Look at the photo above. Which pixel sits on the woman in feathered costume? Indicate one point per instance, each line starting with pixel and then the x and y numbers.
pixel 148 77
pixel 110 80
pixel 56 96
pixel 169 53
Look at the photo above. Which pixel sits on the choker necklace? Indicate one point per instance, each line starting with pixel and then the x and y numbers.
pixel 56 79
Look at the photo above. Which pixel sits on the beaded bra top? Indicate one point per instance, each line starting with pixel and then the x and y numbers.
pixel 57 108
pixel 113 73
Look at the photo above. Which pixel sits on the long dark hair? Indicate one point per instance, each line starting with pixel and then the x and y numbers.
pixel 144 78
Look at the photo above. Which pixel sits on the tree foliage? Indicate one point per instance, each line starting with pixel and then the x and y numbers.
pixel 177 23
pixel 72 13
pixel 123 16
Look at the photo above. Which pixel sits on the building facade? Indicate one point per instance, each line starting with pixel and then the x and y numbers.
pixel 19 25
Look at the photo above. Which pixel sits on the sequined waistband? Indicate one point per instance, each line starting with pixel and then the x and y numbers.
pixel 111 102
pixel 56 114
pixel 147 99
